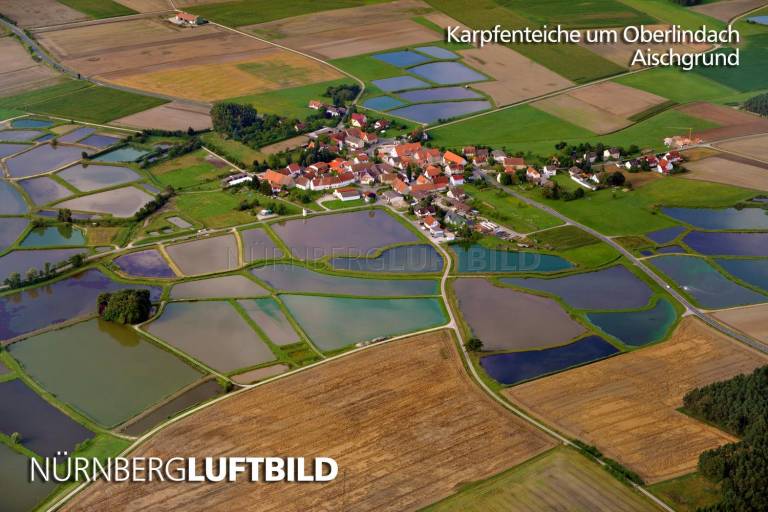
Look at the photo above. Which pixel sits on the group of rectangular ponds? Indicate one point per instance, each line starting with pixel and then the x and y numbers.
pixel 411 259
pixel 108 372
pixel 294 278
pixel 479 259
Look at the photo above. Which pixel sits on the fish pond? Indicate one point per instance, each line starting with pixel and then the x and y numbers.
pixel 611 288
pixel 294 278
pixel 22 261
pixel 31 123
pixel 44 190
pixel 344 234
pixel 506 319
pixel 721 218
pixel 440 94
pixel 728 244
pixel 515 367
pixel 11 202
pixel 93 177
pixel 42 159
pixel 121 202
pixel 333 323
pixel 672 249
pixel 43 428
pixel 11 229
pixel 637 328
pixel 399 83
pixel 753 272
pixel 402 259
pixel 382 103
pixel 11 149
pixel 213 333
pixel 477 258
pixel 77 134
pixel 447 73
pixel 402 59
pixel 54 236
pixel 431 112
pixel 206 255
pixel 100 141
pixel 704 283
pixel 17 493
pixel 19 135
pixel 235 286
pixel 107 371
pixel 125 154
pixel 33 309
pixel 257 245
pixel 266 313
pixel 666 235
pixel 436 52
pixel 148 263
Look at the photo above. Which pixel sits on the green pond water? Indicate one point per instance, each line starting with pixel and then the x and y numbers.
pixel 334 322
pixel 54 236
pixel 637 328
pixel 17 493
pixel 107 371
pixel 477 258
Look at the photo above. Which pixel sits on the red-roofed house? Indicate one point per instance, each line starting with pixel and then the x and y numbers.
pixel 450 157
pixel 277 180
pixel 457 179
pixel 400 186
pixel 316 105
pixel 664 166
pixel 358 120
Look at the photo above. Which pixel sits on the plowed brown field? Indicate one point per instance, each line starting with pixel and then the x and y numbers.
pixel 404 422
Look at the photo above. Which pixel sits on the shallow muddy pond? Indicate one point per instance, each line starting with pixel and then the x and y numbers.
pixel 43 428
pixel 206 255
pixel 704 283
pixel 637 328
pixel 399 83
pixel 431 112
pixel 506 319
pixel 520 366
pixel 27 311
pixel 122 202
pixel 93 177
pixel 54 236
pixel 224 287
pixel 294 278
pixel 107 371
pixel 42 159
pixel 666 235
pixel 22 261
pixel 754 272
pixel 336 322
pixel 477 258
pixel 721 218
pixel 728 244
pixel 11 229
pixel 257 245
pixel 440 94
pixel 148 263
pixel 212 332
pixel 44 190
pixel 447 73
pixel 266 313
pixel 342 235
pixel 611 288
pixel 403 259
pixel 124 154
pixel 11 202
pixel 17 493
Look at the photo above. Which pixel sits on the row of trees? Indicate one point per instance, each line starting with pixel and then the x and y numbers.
pixel 758 104
pixel 34 276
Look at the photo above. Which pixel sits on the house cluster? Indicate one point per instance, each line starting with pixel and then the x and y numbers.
pixel 330 110
pixel 185 19
pixel 681 141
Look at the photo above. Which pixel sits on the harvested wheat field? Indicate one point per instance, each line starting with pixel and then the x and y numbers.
pixel 755 147
pixel 330 35
pixel 39 13
pixel 18 72
pixel 175 115
pixel 626 405
pixel 621 52
pixel 730 171
pixel 205 63
pixel 404 421
pixel 728 9
pixel 733 123
pixel 750 320
pixel 146 5
pixel 517 77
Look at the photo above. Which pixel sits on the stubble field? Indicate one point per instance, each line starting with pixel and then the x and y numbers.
pixel 404 422
pixel 755 147
pixel 18 72
pixel 750 320
pixel 731 171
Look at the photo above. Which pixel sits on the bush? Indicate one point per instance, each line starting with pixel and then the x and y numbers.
pixel 474 345
pixel 125 306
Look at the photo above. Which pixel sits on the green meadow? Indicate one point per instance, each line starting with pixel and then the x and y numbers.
pixel 291 103
pixel 249 12
pixel 98 8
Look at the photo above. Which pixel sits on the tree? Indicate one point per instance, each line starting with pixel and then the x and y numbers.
pixel 76 260
pixel 474 345
pixel 265 187
pixel 758 104
pixel 64 215
pixel 125 306
pixel 233 118
pixel 615 179
pixel 13 280
pixel 16 438
pixel 505 179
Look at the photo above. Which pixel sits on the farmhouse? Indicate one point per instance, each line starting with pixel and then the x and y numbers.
pixel 187 20
pixel 347 194
pixel 277 180
pixel 236 179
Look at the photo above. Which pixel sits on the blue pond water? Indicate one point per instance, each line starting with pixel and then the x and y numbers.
pixel 399 83
pixel 762 20
pixel 44 190
pixel 431 112
pixel 447 73
pixel 11 228
pixel 77 134
pixel 124 154
pixel 147 263
pixel 704 283
pixel 612 288
pixel 728 244
pixel 666 235
pixel 19 135
pixel 436 52
pixel 100 141
pixel 440 93
pixel 721 218
pixel 31 123
pixel 671 249
pixel 519 366
pixel 11 202
pixel 382 103
pixel 477 258
pixel 10 149
pixel 646 253
pixel 754 272
pixel 405 258
pixel 402 59
pixel 637 328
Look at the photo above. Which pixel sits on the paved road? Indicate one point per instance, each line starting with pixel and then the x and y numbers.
pixel 689 307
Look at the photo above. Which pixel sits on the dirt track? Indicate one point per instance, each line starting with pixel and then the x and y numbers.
pixel 404 422
pixel 626 405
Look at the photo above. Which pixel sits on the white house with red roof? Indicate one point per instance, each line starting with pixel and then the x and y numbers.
pixel 358 120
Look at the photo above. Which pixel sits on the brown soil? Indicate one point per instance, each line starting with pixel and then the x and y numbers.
pixel 731 171
pixel 626 405
pixel 724 11
pixel 39 13
pixel 404 422
pixel 755 147
pixel 284 145
pixel 18 72
pixel 170 116
pixel 733 123
pixel 750 320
